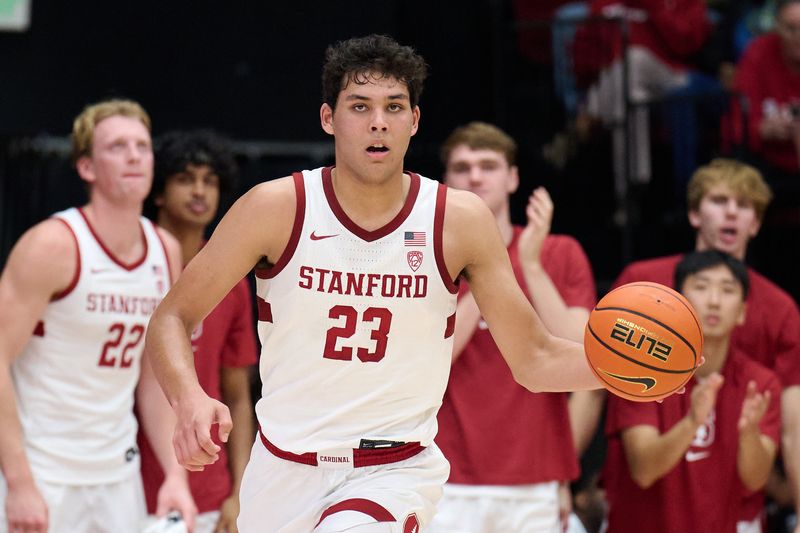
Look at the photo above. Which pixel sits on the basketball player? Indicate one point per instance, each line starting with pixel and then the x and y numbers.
pixel 357 296
pixel 518 489
pixel 684 464
pixel 192 170
pixel 75 297
pixel 727 200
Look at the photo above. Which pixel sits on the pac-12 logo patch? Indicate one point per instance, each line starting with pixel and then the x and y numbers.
pixel 411 525
pixel 414 260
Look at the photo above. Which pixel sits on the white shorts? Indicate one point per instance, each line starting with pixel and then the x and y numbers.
pixel 500 509
pixel 278 495
pixel 110 508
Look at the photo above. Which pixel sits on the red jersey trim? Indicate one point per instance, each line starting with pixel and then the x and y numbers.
pixel 77 276
pixel 355 229
pixel 164 248
pixel 264 310
pixel 109 253
pixel 361 457
pixel 297 228
pixel 38 331
pixel 367 507
pixel 438 232
pixel 451 326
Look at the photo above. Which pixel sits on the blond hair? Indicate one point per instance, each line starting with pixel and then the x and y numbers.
pixel 743 180
pixel 84 124
pixel 480 136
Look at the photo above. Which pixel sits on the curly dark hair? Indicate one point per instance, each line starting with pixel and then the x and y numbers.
pixel 361 58
pixel 175 150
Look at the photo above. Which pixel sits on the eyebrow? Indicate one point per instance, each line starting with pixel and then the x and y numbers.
pixel 398 96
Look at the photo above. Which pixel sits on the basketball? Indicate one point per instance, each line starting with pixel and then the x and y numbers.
pixel 643 341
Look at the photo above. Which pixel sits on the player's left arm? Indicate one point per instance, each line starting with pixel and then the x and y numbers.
pixel 158 420
pixel 790 441
pixel 473 247
pixel 757 451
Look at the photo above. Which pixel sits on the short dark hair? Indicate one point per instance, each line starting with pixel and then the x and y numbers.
pixel 175 150
pixel 694 262
pixel 480 136
pixel 361 58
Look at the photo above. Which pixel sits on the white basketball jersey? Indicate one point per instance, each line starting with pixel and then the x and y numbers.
pixel 75 378
pixel 355 325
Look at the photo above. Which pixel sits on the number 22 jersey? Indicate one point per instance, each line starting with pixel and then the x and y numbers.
pixel 76 376
pixel 356 326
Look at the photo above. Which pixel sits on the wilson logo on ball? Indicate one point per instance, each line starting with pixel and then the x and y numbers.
pixel 638 337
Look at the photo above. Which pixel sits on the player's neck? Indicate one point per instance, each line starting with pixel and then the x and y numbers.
pixel 370 203
pixel 715 350
pixel 701 246
pixel 190 236
pixel 117 228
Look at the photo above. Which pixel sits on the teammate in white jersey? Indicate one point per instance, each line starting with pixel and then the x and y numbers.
pixel 356 270
pixel 75 297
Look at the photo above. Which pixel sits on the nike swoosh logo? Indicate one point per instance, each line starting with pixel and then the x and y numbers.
pixel 696 456
pixel 647 383
pixel 315 237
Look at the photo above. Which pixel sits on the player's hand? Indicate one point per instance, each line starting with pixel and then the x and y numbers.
pixel 704 396
pixel 196 413
pixel 175 495
pixel 540 216
pixel 26 510
pixel 228 513
pixel 753 408
pixel 564 504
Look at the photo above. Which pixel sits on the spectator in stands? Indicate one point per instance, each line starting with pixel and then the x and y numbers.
pixel 525 486
pixel 192 170
pixel 684 464
pixel 726 202
pixel 767 118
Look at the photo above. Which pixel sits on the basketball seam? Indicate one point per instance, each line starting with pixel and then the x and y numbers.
pixel 632 360
pixel 648 317
pixel 661 288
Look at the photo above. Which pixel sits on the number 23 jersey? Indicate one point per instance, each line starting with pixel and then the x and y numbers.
pixel 355 325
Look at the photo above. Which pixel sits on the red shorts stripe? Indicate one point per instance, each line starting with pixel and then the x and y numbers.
pixel 367 507
pixel 361 457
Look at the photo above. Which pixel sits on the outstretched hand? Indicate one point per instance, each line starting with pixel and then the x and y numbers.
pixel 540 216
pixel 194 447
pixel 753 408
pixel 704 397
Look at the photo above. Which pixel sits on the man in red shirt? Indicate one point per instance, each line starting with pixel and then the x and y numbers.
pixel 192 170
pixel 515 483
pixel 684 464
pixel 726 202
pixel 768 76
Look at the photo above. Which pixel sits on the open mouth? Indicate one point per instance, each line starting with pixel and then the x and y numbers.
pixel 377 149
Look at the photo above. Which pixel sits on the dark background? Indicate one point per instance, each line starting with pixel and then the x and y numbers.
pixel 252 71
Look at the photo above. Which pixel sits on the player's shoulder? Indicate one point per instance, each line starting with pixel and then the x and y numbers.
pixel 172 248
pixel 744 369
pixel 51 240
pixel 465 206
pixel 561 243
pixel 643 268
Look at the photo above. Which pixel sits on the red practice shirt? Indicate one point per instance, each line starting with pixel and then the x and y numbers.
pixel 225 338
pixel 703 492
pixel 491 429
pixel 770 334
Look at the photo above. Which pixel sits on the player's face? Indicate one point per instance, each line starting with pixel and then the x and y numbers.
pixel 372 126
pixel 120 167
pixel 484 172
pixel 724 222
pixel 788 28
pixel 716 295
pixel 190 197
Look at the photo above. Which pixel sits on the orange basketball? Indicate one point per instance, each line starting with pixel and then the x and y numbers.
pixel 643 341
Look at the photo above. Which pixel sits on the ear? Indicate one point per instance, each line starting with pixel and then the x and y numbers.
pixel 742 315
pixel 694 219
pixel 754 227
pixel 85 169
pixel 415 124
pixel 513 182
pixel 326 118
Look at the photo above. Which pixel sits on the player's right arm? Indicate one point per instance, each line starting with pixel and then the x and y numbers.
pixel 473 247
pixel 651 454
pixel 41 264
pixel 257 227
